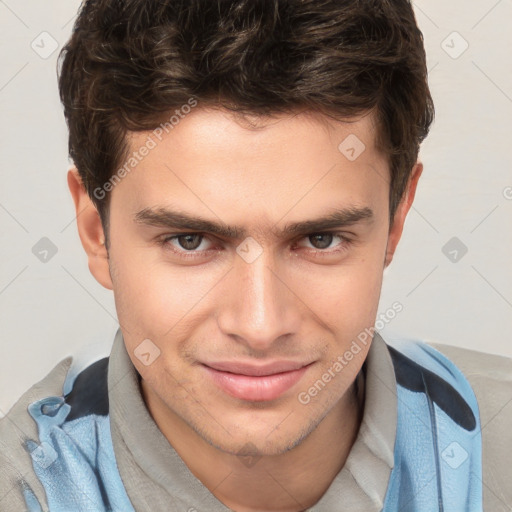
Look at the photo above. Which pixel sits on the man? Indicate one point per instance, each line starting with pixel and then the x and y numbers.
pixel 243 172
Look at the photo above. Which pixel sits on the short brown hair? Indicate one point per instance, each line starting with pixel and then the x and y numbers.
pixel 129 63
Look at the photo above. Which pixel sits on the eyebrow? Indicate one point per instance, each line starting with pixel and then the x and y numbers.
pixel 163 217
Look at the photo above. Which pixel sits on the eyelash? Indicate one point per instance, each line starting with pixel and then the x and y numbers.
pixel 164 242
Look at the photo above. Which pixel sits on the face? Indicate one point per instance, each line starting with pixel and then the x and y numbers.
pixel 249 260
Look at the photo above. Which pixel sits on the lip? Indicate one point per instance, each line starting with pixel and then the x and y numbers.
pixel 241 368
pixel 256 383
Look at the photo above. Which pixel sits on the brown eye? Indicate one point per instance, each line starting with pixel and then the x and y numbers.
pixel 190 242
pixel 321 240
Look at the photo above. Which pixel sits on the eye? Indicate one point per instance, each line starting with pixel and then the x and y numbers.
pixel 323 241
pixel 186 242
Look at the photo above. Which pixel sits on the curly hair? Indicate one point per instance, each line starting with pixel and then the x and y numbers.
pixel 129 63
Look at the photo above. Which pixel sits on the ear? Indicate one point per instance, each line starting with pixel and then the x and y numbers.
pixel 90 230
pixel 397 226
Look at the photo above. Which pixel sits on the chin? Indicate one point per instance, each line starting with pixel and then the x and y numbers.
pixel 267 440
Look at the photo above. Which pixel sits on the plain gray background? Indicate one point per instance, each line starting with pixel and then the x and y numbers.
pixel 50 309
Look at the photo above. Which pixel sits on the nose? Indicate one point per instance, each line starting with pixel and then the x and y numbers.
pixel 259 309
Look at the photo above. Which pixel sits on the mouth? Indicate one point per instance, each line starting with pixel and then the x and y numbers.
pixel 256 383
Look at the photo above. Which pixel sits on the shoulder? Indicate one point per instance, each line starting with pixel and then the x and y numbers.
pixel 75 388
pixel 478 365
pixel 16 428
pixel 485 382
pixel 490 376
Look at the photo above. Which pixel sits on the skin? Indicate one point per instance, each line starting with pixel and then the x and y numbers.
pixel 299 300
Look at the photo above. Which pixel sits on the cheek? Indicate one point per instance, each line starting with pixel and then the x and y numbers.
pixel 153 298
pixel 141 291
pixel 345 296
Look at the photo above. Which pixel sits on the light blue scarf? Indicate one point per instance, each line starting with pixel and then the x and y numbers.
pixel 438 447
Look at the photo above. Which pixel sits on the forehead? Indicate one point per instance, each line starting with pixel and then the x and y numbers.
pixel 217 126
pixel 210 158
